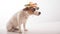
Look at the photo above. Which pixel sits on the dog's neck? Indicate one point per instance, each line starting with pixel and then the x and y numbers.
pixel 24 14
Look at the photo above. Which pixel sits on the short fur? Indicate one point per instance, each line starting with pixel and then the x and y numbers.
pixel 21 18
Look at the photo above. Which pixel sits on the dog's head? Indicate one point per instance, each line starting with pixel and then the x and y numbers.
pixel 32 9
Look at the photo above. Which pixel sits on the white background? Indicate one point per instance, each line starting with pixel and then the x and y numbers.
pixel 50 12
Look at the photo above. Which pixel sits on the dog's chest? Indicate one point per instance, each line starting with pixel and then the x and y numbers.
pixel 23 16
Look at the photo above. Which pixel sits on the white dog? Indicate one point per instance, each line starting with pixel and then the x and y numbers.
pixel 21 17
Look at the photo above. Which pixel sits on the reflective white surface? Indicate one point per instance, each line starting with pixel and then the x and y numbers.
pixel 38 28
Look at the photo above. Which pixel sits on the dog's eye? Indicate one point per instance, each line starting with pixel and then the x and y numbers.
pixel 37 8
pixel 33 9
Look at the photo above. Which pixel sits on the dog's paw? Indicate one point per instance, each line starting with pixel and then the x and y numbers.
pixel 25 30
pixel 19 31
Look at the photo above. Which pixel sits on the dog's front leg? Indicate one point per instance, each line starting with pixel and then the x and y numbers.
pixel 19 29
pixel 19 23
pixel 24 26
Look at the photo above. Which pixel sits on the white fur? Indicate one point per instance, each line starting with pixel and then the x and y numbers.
pixel 18 19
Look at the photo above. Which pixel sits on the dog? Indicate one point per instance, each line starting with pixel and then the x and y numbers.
pixel 21 17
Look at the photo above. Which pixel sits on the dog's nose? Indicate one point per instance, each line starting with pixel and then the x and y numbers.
pixel 39 13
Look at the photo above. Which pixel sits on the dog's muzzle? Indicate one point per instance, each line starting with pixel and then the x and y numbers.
pixel 37 8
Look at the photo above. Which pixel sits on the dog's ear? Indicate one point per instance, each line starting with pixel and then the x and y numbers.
pixel 25 9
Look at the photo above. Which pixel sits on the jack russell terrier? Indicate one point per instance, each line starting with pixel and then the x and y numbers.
pixel 22 16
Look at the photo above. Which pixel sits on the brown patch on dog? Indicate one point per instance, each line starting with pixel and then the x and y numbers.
pixel 30 10
pixel 26 9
